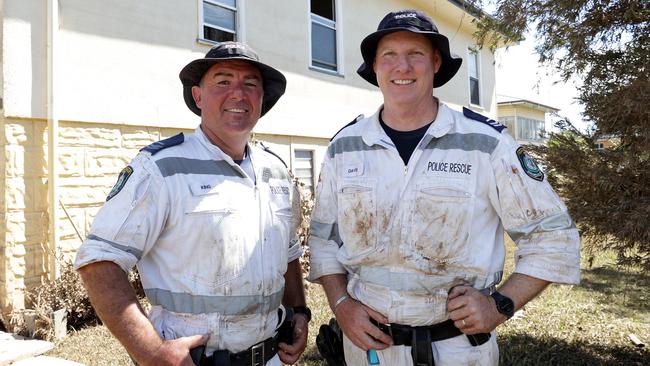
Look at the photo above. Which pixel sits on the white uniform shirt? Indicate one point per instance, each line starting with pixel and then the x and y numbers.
pixel 211 245
pixel 407 234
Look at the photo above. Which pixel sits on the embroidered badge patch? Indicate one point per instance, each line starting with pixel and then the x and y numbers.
pixel 121 181
pixel 529 165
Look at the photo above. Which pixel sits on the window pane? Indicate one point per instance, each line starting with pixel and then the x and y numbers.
pixel 303 168
pixel 217 35
pixel 474 91
pixel 473 65
pixel 509 122
pixel 324 8
pixel 323 46
pixel 219 16
pixel 231 3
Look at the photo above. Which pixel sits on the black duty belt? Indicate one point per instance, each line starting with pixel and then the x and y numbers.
pixel 258 355
pixel 420 338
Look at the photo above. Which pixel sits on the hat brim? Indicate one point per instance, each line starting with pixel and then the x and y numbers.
pixel 450 62
pixel 274 82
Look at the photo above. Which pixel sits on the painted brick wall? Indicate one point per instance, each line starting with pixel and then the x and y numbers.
pixel 90 157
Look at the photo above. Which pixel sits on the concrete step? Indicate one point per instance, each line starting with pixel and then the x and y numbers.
pixel 15 348
pixel 46 361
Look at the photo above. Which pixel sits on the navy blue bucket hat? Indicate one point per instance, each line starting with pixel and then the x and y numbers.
pixel 411 21
pixel 274 83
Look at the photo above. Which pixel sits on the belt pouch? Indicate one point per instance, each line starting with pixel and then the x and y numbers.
pixel 421 347
pixel 221 358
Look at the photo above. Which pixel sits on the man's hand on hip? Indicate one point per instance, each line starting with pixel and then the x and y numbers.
pixel 354 319
pixel 473 312
pixel 289 353
pixel 177 351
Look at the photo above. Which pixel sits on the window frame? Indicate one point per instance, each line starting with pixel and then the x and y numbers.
pixel 338 30
pixel 294 159
pixel 474 52
pixel 239 19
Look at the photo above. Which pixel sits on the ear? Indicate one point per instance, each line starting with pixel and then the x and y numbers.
pixel 437 61
pixel 196 94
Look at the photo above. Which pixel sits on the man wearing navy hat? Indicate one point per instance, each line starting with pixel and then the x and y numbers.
pixel 210 220
pixel 407 233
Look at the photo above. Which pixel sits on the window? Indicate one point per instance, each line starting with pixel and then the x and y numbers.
pixel 474 85
pixel 600 146
pixel 303 168
pixel 509 122
pixel 219 20
pixel 530 129
pixel 323 35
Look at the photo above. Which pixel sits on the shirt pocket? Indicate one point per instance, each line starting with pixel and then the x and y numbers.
pixel 216 238
pixel 441 222
pixel 357 216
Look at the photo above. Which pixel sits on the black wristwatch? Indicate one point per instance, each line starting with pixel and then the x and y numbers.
pixel 504 304
pixel 303 310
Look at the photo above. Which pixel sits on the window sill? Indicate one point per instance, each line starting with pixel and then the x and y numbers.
pixel 206 42
pixel 326 71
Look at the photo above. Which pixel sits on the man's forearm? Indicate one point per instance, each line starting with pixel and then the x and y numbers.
pixel 335 287
pixel 294 291
pixel 116 304
pixel 522 288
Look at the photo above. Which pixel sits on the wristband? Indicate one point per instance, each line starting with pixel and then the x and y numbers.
pixel 339 301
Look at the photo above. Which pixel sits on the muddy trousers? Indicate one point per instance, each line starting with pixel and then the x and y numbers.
pixel 456 351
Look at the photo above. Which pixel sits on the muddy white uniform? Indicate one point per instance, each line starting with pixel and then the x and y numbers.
pixel 211 243
pixel 405 235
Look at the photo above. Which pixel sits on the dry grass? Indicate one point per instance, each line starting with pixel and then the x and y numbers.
pixel 567 325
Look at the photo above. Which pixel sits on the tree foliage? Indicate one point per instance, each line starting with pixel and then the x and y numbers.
pixel 606 44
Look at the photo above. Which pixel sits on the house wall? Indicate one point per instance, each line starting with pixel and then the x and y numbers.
pixel 117 90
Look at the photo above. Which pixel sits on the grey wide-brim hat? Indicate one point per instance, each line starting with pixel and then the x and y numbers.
pixel 274 83
pixel 411 21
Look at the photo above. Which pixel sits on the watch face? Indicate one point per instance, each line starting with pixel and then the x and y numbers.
pixel 504 304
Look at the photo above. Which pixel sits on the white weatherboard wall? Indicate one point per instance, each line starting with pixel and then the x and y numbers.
pixel 118 90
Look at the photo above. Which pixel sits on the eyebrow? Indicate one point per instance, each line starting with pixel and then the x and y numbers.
pixel 230 74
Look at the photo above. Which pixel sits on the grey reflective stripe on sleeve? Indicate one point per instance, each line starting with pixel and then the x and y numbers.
pixel 135 252
pixel 419 282
pixel 350 144
pixel 171 166
pixel 325 231
pixel 465 142
pixel 181 302
pixel 561 221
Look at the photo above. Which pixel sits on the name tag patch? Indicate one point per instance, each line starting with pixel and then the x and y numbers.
pixel 353 170
pixel 279 189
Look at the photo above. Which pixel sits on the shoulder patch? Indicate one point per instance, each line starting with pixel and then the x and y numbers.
pixel 529 165
pixel 158 146
pixel 265 148
pixel 121 181
pixel 348 125
pixel 481 118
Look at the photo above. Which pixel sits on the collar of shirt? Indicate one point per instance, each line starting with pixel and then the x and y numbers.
pixel 375 135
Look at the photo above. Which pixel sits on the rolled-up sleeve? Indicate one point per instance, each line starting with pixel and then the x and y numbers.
pixel 548 243
pixel 129 223
pixel 324 241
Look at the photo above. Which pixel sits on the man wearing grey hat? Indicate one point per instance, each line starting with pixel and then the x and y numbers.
pixel 210 221
pixel 407 232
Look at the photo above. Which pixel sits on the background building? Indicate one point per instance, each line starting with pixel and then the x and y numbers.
pixel 87 83
pixel 525 119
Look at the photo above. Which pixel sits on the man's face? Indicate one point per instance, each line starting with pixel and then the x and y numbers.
pixel 230 99
pixel 405 64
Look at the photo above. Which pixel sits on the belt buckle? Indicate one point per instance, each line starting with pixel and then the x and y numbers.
pixel 390 330
pixel 257 354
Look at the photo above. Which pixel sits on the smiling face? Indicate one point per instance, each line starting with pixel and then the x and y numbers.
pixel 405 64
pixel 230 98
